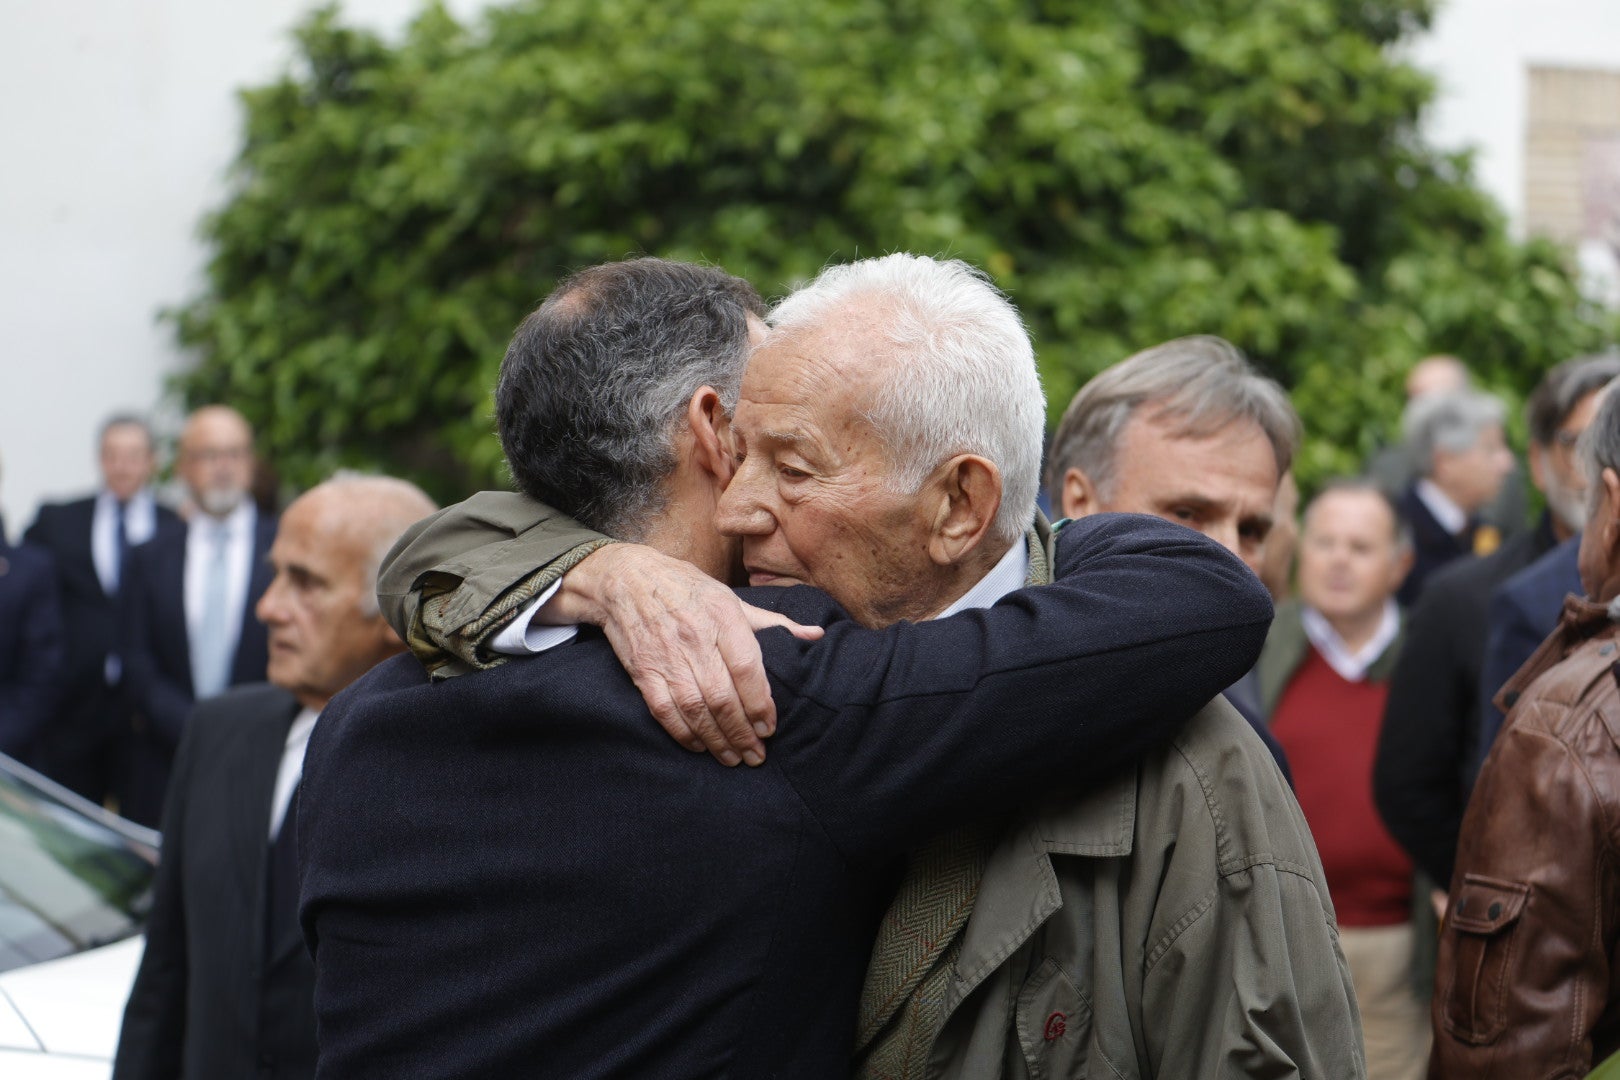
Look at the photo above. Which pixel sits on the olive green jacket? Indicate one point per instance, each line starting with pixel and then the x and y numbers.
pixel 1173 924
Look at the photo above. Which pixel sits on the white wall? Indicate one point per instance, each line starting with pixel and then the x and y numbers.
pixel 1480 50
pixel 118 122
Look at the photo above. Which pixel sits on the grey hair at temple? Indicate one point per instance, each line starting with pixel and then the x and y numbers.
pixel 597 379
pixel 1200 385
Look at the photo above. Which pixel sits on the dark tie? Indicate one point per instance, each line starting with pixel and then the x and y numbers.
pixel 281 909
pixel 121 539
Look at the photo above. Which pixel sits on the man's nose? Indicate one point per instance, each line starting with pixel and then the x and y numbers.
pixel 741 511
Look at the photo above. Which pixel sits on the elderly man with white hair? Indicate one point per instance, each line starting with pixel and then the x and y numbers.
pixel 1456 438
pixel 884 446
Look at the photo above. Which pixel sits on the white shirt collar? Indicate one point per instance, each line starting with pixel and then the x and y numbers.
pixel 236 525
pixel 292 767
pixel 1452 518
pixel 1008 575
pixel 1351 666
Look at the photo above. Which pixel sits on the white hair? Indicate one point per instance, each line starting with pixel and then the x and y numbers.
pixel 960 376
pixel 1452 422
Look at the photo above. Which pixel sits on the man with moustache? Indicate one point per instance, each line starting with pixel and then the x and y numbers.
pixel 187 607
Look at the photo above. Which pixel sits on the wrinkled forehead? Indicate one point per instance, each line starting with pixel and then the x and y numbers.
pixel 823 374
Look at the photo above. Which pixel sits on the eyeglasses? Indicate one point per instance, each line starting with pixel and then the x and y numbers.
pixel 210 454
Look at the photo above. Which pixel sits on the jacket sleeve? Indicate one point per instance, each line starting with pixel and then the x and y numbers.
pixel 1524 970
pixel 452 580
pixel 29 696
pixel 1417 782
pixel 149 1046
pixel 154 695
pixel 1244 986
pixel 892 735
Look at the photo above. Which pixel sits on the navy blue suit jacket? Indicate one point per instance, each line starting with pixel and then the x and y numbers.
pixel 517 873
pixel 1524 610
pixel 157 656
pixel 219 992
pixel 31 645
pixel 1432 546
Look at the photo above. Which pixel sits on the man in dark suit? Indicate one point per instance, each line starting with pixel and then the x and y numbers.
pixel 187 608
pixel 1427 748
pixel 85 745
pixel 225 987
pixel 31 648
pixel 513 872
pixel 1457 440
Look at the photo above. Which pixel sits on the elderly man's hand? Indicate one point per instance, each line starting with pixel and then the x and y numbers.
pixel 686 640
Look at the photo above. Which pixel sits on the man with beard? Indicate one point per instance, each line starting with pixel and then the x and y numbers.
pixel 188 603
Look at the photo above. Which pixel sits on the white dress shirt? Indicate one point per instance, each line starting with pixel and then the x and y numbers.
pixel 202 532
pixel 292 767
pixel 1452 518
pixel 140 522
pixel 1351 665
pixel 523 637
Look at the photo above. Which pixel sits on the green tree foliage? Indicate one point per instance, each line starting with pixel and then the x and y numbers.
pixel 1128 172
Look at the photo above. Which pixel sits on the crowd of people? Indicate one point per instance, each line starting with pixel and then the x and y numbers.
pixel 1179 786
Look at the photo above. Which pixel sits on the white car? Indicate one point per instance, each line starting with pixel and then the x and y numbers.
pixel 75 887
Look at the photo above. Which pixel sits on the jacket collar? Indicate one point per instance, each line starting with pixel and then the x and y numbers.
pixel 1020 891
pixel 1580 621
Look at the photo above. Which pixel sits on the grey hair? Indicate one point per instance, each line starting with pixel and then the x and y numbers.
pixel 126 420
pixel 1600 448
pixel 1201 384
pixel 1362 486
pixel 385 506
pixel 1564 387
pixel 597 379
pixel 1449 422
pixel 959 377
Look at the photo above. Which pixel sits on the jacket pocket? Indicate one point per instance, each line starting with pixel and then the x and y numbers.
pixel 1481 923
pixel 1054 1025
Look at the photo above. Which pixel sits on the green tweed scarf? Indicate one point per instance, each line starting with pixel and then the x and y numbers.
pixel 903 1001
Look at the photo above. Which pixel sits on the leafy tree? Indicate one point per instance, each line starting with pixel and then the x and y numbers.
pixel 1128 172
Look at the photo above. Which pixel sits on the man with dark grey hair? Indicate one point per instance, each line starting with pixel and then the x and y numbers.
pixel 1526 984
pixel 1456 438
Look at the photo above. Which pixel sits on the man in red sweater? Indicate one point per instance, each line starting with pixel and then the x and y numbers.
pixel 1324 676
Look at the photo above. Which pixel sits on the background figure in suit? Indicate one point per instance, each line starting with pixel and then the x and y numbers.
pixel 225 986
pixel 85 743
pixel 1456 439
pixel 30 645
pixel 187 606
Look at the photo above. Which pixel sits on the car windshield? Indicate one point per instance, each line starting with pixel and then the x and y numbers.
pixel 68 882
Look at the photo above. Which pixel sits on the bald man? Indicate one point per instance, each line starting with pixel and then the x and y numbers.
pixel 226 988
pixel 187 608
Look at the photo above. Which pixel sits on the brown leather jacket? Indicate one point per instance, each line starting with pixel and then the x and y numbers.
pixel 1528 985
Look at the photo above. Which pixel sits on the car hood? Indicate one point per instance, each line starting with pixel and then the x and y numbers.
pixel 74 1005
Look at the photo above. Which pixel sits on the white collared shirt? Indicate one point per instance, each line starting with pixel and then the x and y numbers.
pixel 292 767
pixel 1452 518
pixel 140 522
pixel 201 536
pixel 1351 666
pixel 1008 575
pixel 524 637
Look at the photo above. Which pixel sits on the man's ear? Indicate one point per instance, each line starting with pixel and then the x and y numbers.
pixel 711 434
pixel 967 490
pixel 1610 521
pixel 1080 496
